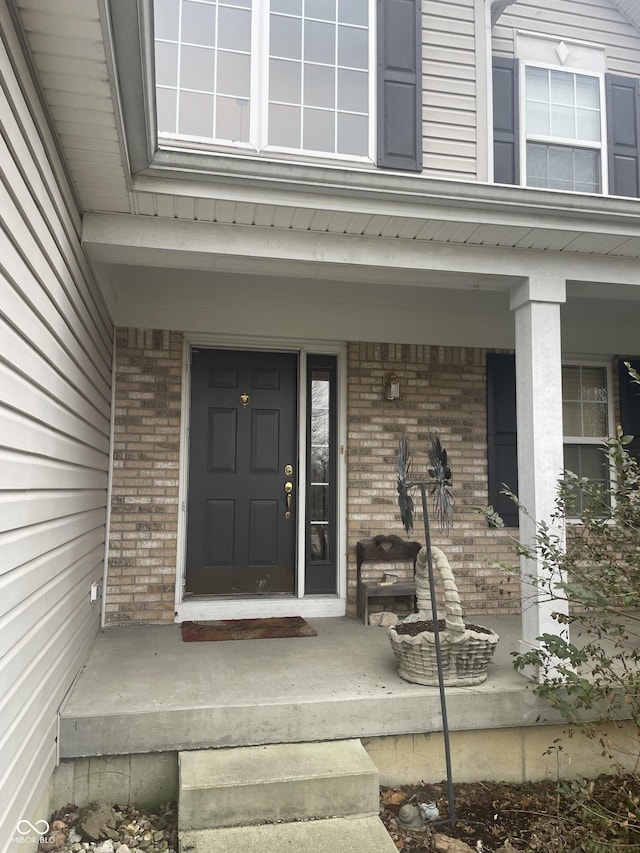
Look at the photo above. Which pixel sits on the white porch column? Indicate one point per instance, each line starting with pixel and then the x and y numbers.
pixel 536 304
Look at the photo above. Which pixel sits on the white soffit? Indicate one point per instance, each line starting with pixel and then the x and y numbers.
pixel 67 47
pixel 630 9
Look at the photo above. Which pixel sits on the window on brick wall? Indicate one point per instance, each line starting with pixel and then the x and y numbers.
pixel 587 416
pixel 586 420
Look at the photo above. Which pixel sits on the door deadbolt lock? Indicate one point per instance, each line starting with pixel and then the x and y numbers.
pixel 288 470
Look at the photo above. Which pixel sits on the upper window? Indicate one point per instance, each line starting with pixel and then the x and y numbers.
pixel 562 120
pixel 285 75
pixel 563 130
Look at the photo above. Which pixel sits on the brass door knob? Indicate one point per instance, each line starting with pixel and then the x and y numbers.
pixel 288 490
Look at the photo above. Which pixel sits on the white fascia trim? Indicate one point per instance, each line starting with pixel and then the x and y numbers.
pixel 242 178
pixel 199 245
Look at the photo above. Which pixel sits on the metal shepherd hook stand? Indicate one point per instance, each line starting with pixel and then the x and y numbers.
pixel 440 486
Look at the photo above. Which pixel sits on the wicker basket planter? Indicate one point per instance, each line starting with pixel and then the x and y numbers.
pixel 466 649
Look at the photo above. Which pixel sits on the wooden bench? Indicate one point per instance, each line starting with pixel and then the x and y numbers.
pixel 384 549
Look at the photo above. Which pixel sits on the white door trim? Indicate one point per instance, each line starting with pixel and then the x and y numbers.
pixel 204 607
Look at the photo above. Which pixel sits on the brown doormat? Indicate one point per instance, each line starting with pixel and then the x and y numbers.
pixel 247 629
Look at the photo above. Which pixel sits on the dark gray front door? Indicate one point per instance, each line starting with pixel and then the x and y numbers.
pixel 241 529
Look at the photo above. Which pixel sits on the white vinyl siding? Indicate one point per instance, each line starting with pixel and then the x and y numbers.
pixel 595 21
pixel 449 90
pixel 449 119
pixel 55 375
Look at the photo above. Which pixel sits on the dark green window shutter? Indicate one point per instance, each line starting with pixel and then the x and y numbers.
pixel 501 434
pixel 623 133
pixel 506 122
pixel 630 404
pixel 400 85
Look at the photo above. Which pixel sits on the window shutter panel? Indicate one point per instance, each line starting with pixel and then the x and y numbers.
pixel 506 123
pixel 623 115
pixel 630 404
pixel 501 434
pixel 400 85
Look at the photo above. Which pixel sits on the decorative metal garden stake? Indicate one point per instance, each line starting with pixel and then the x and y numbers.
pixel 440 485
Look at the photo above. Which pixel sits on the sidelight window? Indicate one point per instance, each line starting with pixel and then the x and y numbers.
pixel 321 562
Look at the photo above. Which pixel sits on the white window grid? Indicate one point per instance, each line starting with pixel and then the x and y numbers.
pixel 259 96
pixel 588 440
pixel 573 142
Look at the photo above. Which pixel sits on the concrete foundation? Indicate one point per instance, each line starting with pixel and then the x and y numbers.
pixel 522 754
pixel 514 755
pixel 143 779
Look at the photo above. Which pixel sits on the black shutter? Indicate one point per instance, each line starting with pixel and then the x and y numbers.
pixel 630 404
pixel 501 434
pixel 400 85
pixel 506 123
pixel 623 115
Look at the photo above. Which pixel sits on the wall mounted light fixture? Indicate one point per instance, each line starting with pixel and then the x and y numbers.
pixel 391 387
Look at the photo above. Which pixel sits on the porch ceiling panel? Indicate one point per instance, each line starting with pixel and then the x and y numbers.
pixel 452 310
pixel 66 42
pixel 402 306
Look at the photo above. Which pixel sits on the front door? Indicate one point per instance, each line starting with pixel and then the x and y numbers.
pixel 241 530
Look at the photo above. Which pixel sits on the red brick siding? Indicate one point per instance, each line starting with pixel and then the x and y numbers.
pixel 144 506
pixel 443 391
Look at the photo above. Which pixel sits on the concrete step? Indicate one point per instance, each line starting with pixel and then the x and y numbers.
pixel 333 835
pixel 278 782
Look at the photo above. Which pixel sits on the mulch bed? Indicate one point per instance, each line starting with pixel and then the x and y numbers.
pixel 543 817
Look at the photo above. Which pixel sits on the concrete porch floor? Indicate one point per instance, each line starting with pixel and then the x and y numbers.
pixel 144 690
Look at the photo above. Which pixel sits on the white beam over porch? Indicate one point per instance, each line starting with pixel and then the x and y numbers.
pixel 181 244
pixel 536 304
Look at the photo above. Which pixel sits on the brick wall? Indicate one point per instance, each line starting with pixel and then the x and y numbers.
pixel 144 507
pixel 443 392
